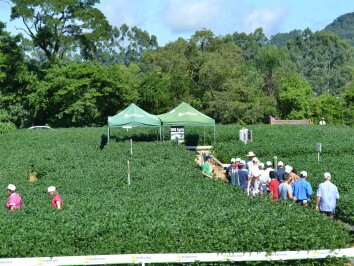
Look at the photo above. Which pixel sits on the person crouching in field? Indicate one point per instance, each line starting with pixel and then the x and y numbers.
pixel 57 202
pixel 14 201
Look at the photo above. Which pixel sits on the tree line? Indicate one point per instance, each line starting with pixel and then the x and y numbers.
pixel 70 67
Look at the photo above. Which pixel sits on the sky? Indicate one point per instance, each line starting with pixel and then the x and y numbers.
pixel 170 19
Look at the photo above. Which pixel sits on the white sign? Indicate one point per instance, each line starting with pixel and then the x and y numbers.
pixel 179 257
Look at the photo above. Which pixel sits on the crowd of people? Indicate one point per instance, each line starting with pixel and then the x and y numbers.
pixel 15 201
pixel 284 183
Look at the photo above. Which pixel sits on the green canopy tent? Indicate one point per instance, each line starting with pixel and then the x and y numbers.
pixel 186 115
pixel 133 116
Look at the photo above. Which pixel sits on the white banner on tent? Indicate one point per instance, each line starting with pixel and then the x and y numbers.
pixel 179 257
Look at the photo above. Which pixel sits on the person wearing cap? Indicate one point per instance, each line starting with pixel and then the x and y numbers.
pixel 327 196
pixel 253 169
pixel 302 190
pixel 242 174
pixel 269 167
pixel 229 169
pixel 263 178
pixel 249 162
pixel 207 169
pixel 273 186
pixel 57 202
pixel 14 201
pixel 322 121
pixel 285 191
pixel 280 171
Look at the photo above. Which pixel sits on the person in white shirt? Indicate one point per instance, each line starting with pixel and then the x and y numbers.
pixel 264 178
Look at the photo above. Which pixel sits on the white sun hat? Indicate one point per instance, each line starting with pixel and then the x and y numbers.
pixel 51 189
pixel 11 187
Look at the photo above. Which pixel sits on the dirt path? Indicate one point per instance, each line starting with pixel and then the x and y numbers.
pixel 217 169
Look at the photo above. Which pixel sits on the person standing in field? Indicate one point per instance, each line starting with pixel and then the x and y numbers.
pixel 249 162
pixel 284 190
pixel 280 171
pixel 230 168
pixel 322 121
pixel 302 190
pixel 263 178
pixel 242 175
pixel 273 186
pixel 57 202
pixel 293 177
pixel 207 169
pixel 14 201
pixel 327 196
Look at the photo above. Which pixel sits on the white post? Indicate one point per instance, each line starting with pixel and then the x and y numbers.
pixel 128 173
pixel 131 146
pixel 318 156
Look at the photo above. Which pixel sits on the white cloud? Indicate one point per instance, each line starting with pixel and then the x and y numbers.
pixel 269 19
pixel 118 12
pixel 182 16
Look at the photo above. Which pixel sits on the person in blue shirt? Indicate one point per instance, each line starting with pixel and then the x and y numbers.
pixel 280 171
pixel 230 168
pixel 302 190
pixel 327 196
pixel 242 175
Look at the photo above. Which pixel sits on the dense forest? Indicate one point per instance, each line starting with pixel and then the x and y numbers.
pixel 70 67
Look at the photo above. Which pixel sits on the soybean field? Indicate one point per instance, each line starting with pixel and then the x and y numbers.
pixel 167 208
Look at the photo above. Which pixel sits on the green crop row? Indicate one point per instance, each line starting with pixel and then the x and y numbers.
pixel 296 145
pixel 167 208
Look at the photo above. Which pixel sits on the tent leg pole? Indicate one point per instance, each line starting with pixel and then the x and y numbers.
pixel 214 133
pixel 204 136
pixel 108 136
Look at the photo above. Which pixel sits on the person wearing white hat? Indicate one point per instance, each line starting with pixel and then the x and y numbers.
pixel 280 171
pixel 302 190
pixel 14 201
pixel 230 168
pixel 249 162
pixel 57 201
pixel 322 121
pixel 327 196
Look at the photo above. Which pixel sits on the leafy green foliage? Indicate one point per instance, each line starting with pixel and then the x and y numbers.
pixel 167 208
pixel 343 26
pixel 295 145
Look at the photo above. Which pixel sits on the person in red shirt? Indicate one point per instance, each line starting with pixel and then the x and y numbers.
pixel 273 186
pixel 57 202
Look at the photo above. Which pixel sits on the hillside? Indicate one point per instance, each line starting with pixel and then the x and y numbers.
pixel 343 26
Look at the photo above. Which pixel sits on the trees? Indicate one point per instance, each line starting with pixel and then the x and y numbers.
pixel 15 80
pixel 324 59
pixel 83 94
pixel 57 27
pixel 294 97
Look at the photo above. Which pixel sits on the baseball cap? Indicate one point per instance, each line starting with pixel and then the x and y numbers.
pixel 208 157
pixel 237 160
pixel 242 162
pixel 261 165
pixel 288 169
pixel 327 175
pixel 303 173
pixel 11 187
pixel 269 163
pixel 51 189
pixel 255 159
pixel 280 163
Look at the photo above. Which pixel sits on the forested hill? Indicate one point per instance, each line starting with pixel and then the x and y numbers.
pixel 343 26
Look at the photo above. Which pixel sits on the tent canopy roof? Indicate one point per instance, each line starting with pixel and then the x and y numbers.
pixel 186 115
pixel 133 116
